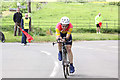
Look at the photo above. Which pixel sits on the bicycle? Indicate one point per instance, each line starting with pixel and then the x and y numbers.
pixel 65 61
pixel 2 37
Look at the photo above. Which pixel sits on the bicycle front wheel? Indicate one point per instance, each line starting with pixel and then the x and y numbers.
pixel 65 70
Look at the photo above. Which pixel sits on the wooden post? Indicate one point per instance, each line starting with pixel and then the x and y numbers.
pixel 29 6
pixel 29 10
pixel 89 26
pixel 106 25
pixel 114 23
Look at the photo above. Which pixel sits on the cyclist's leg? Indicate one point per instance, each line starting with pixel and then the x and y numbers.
pixel 60 51
pixel 70 54
pixel 68 47
pixel 69 51
pixel 59 46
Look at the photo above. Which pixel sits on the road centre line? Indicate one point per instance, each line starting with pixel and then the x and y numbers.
pixel 55 69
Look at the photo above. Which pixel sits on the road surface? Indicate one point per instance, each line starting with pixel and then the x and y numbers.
pixel 92 59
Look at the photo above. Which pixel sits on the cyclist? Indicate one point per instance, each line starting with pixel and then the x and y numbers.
pixel 63 29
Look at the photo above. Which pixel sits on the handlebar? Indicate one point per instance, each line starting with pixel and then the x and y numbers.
pixel 60 41
pixel 57 42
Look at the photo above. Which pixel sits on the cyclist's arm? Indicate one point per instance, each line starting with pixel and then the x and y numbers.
pixel 57 33
pixel 68 33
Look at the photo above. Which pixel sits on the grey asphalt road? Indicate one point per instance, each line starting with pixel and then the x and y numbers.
pixel 92 59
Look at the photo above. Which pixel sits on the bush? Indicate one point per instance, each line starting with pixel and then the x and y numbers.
pixel 93 30
pixel 24 10
pixel 14 5
pixel 38 32
pixel 118 3
pixel 68 1
pixel 5 5
pixel 111 3
pixel 53 29
pixel 114 3
pixel 7 28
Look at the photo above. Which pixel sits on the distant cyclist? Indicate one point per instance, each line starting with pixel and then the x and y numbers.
pixel 63 29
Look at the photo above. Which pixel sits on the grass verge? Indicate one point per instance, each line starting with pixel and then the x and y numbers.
pixel 76 36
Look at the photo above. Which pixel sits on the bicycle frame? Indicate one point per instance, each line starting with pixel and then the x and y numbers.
pixel 64 54
pixel 65 62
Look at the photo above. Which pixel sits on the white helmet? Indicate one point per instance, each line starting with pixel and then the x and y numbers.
pixel 64 20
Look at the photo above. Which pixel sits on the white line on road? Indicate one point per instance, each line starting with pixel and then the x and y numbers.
pixel 46 52
pixel 55 69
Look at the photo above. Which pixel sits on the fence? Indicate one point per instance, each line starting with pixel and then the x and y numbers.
pixel 40 27
pixel 81 23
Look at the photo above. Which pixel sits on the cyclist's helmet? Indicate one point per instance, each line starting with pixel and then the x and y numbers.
pixel 64 20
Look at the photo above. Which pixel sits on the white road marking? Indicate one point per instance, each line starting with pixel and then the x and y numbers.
pixel 46 52
pixel 55 69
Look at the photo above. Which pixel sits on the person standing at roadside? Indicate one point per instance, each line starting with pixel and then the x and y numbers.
pixel 17 20
pixel 98 21
pixel 25 23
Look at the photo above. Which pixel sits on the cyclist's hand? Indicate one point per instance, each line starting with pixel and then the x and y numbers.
pixel 64 39
pixel 59 39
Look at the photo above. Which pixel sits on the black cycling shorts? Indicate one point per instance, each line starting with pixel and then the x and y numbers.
pixel 69 42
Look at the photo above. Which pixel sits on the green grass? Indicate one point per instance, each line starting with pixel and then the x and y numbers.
pixel 10 38
pixel 76 36
pixel 81 16
pixel 94 36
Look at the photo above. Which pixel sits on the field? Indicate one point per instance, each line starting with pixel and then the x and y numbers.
pixel 82 16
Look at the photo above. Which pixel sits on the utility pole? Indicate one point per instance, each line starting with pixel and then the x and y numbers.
pixel 29 10
pixel 29 6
